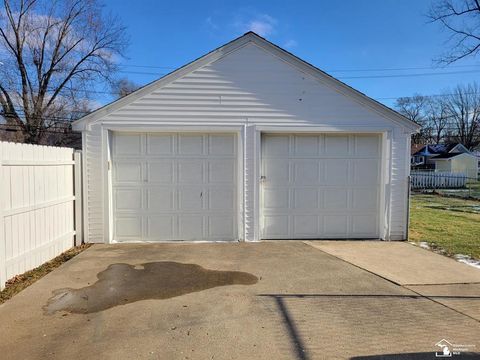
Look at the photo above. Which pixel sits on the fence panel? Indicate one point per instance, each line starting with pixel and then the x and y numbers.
pixel 37 206
pixel 437 180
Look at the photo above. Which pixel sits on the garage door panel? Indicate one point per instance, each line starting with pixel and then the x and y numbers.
pixel 191 198
pixel 336 145
pixel 128 227
pixel 306 172
pixel 276 225
pixel 336 199
pixel 277 171
pixel 126 172
pixel 367 146
pixel 160 171
pixel 190 171
pixel 191 227
pixel 276 198
pixel 336 225
pixel 128 145
pixel 128 199
pixel 220 226
pixel 366 172
pixel 221 199
pixel 190 144
pixel 336 172
pixel 364 224
pixel 307 198
pixel 306 225
pixel 160 199
pixel 160 228
pixel 221 171
pixel 221 145
pixel 307 146
pixel 365 199
pixel 174 186
pixel 161 144
pixel 277 146
pixel 320 186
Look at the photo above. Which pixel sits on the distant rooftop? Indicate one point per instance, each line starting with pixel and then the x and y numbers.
pixel 446 156
pixel 436 149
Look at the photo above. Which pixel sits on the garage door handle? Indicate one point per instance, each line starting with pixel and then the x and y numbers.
pixel 263 178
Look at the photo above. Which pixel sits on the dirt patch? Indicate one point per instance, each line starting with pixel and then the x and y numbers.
pixel 121 284
pixel 16 284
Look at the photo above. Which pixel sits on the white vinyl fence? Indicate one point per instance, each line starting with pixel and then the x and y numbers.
pixel 39 213
pixel 437 180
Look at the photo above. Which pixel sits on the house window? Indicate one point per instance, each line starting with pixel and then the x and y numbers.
pixel 419 159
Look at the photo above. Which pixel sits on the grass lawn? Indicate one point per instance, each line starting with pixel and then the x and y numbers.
pixel 450 224
pixel 472 190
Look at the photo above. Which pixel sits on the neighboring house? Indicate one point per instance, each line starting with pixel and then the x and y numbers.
pixel 446 157
pixel 477 154
pixel 247 143
pixel 416 159
pixel 463 163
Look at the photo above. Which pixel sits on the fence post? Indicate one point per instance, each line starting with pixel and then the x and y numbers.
pixel 3 241
pixel 77 175
pixel 409 190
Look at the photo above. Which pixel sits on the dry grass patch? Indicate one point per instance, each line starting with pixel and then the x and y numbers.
pixel 20 282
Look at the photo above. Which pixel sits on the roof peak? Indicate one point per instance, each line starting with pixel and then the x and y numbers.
pixel 267 46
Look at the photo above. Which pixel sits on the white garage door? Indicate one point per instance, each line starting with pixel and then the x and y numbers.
pixel 174 187
pixel 320 186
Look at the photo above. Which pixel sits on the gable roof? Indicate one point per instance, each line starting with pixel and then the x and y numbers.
pixel 233 45
pixel 435 149
pixel 448 156
pixel 414 148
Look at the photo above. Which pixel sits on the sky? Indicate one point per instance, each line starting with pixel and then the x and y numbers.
pixel 372 45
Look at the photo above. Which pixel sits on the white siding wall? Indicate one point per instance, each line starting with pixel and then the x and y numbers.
pixel 249 87
pixel 465 164
pixel 399 184
pixel 93 178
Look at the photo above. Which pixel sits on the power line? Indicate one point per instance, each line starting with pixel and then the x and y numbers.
pixel 149 66
pixel 327 70
pixel 402 68
pixel 408 75
pixel 376 98
pixel 347 77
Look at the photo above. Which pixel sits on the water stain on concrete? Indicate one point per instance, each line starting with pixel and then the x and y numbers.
pixel 122 283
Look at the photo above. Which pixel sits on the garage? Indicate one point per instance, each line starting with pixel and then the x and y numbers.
pixel 246 143
pixel 320 186
pixel 174 186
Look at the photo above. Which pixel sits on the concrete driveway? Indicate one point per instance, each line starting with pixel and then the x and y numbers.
pixel 275 300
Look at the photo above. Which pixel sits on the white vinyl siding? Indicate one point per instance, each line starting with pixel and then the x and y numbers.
pixel 247 84
pixel 400 170
pixel 93 185
pixel 249 88
pixel 174 186
pixel 463 164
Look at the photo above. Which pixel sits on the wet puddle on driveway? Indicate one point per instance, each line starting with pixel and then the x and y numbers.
pixel 121 284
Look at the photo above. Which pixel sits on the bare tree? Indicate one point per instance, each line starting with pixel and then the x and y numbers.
pixel 53 52
pixel 437 118
pixel 123 87
pixel 414 108
pixel 461 18
pixel 463 111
